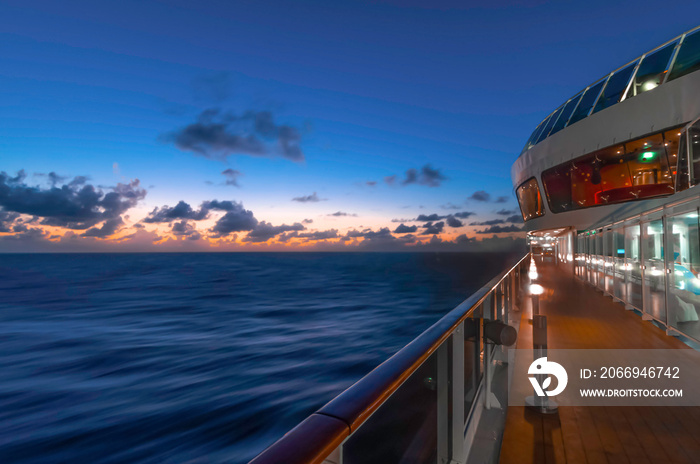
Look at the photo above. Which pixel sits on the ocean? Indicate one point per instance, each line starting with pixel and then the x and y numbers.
pixel 202 357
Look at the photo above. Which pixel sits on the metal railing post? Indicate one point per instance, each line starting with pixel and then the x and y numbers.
pixel 458 453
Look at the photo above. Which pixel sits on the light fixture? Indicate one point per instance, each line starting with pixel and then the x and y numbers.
pixel 536 289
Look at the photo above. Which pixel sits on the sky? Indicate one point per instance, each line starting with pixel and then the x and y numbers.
pixel 289 126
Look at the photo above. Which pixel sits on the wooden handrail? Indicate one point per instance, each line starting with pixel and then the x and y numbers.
pixel 317 436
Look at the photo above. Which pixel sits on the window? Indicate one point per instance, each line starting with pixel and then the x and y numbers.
pixel 566 114
pixel 651 71
pixel 535 135
pixel 530 199
pixel 637 169
pixel 587 101
pixel 688 59
pixel 617 84
pixel 549 125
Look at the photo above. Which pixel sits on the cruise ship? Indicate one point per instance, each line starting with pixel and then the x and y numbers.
pixel 608 188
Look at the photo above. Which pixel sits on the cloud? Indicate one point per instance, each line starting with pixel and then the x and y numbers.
pixel 307 221
pixel 232 176
pixel 437 217
pixel 488 223
pixel 463 214
pixel 73 205
pixel 265 231
pixel 516 219
pixel 180 211
pixel 316 235
pixel 454 222
pixel 390 180
pixel 501 199
pixel 185 229
pixel 500 230
pixel 480 195
pixel 427 176
pixel 236 219
pixel 505 212
pixel 342 214
pixel 371 183
pixel 402 220
pixel 433 228
pixel 429 217
pixel 217 135
pixel 313 198
pixel 6 219
pixel 403 229
pixel 110 227
pixel 449 205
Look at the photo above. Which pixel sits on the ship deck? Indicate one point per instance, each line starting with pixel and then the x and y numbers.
pixel 580 317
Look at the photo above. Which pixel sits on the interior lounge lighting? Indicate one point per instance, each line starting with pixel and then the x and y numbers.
pixel 648 156
pixel 532 275
pixel 536 289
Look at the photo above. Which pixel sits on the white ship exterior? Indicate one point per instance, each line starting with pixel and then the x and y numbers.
pixel 609 180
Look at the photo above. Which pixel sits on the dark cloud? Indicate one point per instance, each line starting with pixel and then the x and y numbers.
pixel 371 183
pixel 216 134
pixel 180 211
pixel 236 219
pixel 110 227
pixel 454 222
pixel 6 219
pixel 316 235
pixel 185 229
pixel 464 239
pixel 449 205
pixel 463 214
pixel 426 175
pixel 501 199
pixel 313 198
pixel 500 230
pixel 433 228
pixel 264 231
pixel 390 180
pixel 491 222
pixel 401 220
pixel 212 88
pixel 480 195
pixel 437 217
pixel 404 229
pixel 516 219
pixel 307 221
pixel 505 212
pixel 429 217
pixel 341 214
pixel 75 205
pixel 232 176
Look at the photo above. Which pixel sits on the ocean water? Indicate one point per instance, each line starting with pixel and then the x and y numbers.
pixel 201 358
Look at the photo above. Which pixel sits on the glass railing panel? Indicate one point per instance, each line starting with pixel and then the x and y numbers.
pixel 654 269
pixel 472 363
pixel 405 427
pixel 633 266
pixel 619 261
pixel 688 58
pixel 553 119
pixel 684 264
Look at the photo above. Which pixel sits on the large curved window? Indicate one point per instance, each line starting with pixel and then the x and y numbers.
pixel 688 59
pixel 631 171
pixel 530 199
pixel 587 101
pixel 617 84
pixel 651 71
pixel 565 114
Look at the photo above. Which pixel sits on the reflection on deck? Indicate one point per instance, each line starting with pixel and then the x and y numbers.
pixel 580 317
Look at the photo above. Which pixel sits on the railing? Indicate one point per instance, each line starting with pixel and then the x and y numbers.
pixel 423 403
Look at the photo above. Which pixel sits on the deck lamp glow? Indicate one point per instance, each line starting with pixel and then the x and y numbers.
pixel 536 289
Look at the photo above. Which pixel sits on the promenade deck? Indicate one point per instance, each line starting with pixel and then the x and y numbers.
pixel 579 317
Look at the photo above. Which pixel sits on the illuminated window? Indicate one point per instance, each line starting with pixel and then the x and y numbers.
pixel 530 199
pixel 626 172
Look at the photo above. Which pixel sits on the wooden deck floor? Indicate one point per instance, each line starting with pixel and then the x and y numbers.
pixel 580 317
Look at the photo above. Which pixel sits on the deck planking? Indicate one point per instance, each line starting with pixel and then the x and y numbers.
pixel 579 317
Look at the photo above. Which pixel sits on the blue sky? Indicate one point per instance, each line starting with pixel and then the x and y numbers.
pixel 364 91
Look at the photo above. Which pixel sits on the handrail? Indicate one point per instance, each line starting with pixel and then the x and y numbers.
pixel 318 435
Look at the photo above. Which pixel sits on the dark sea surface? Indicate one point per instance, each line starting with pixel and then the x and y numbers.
pixel 172 358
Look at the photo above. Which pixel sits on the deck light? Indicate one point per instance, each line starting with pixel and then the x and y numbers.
pixel 536 289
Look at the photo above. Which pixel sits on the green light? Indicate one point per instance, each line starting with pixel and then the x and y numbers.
pixel 648 156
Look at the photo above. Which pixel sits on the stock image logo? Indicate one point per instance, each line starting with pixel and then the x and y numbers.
pixel 544 370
